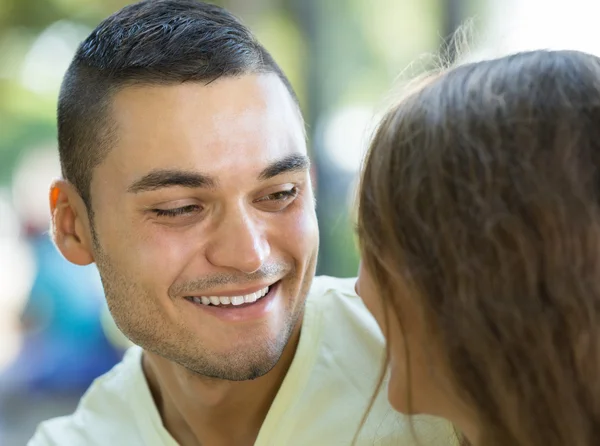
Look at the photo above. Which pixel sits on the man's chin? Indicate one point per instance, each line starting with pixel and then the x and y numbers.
pixel 235 368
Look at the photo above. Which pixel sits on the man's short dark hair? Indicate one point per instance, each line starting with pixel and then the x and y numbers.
pixel 152 42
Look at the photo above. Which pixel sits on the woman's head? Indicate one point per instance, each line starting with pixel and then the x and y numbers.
pixel 479 225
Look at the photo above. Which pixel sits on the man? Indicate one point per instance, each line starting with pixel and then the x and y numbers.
pixel 186 180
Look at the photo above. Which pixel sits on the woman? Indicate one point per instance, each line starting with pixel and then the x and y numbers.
pixel 479 225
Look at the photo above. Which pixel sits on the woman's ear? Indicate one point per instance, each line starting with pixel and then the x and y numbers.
pixel 70 224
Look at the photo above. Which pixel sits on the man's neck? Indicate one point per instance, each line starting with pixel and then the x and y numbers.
pixel 201 411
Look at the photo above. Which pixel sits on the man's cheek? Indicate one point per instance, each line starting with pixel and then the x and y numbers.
pixel 302 229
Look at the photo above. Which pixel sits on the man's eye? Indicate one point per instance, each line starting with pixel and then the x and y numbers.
pixel 283 195
pixel 278 201
pixel 176 212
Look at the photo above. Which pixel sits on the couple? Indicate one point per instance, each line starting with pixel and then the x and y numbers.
pixel 186 180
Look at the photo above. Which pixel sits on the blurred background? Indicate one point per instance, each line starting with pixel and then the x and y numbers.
pixel 345 59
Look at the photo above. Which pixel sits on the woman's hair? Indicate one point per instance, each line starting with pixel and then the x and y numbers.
pixel 481 193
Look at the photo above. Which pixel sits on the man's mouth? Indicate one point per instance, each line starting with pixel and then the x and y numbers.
pixel 230 301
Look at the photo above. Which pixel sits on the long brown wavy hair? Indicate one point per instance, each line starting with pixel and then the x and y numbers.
pixel 481 191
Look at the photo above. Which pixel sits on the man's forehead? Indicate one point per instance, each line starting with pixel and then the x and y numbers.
pixel 185 127
pixel 230 110
pixel 245 108
pixel 262 95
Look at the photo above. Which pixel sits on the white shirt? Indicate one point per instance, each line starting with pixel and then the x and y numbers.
pixel 320 403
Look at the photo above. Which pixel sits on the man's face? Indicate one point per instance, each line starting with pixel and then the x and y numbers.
pixel 206 197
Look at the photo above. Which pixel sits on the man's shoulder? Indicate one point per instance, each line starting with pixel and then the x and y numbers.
pixel 327 292
pixel 105 406
pixel 345 326
pixel 58 431
pixel 335 285
pixel 342 308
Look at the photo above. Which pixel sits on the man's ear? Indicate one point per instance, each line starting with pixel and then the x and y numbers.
pixel 71 230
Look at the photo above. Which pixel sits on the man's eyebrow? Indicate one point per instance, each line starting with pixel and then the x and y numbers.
pixel 291 163
pixel 162 178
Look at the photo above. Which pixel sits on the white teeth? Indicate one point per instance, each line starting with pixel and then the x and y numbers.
pixel 233 300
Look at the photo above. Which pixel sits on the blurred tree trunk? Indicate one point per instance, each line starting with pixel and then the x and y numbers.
pixel 455 12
